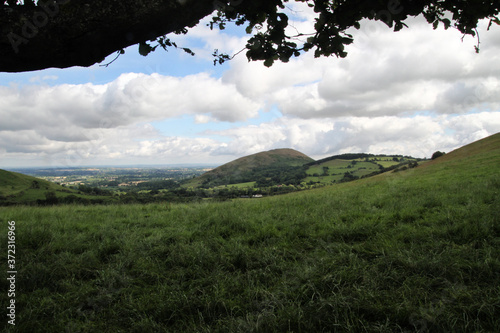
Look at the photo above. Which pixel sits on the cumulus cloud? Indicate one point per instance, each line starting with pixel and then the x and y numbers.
pixel 66 112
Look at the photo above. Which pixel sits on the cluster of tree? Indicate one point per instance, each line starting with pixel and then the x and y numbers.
pixel 93 190
pixel 437 154
pixel 183 196
pixel 352 156
pixel 158 185
pixel 263 176
pixel 348 176
pixel 51 199
pixel 287 175
pixel 6 200
pixel 394 168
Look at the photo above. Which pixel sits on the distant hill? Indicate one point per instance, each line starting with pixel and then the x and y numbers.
pixel 290 167
pixel 252 167
pixel 16 188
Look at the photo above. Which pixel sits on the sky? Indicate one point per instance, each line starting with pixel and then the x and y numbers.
pixel 411 92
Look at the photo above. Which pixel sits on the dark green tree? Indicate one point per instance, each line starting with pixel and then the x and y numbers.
pixel 51 198
pixel 63 33
pixel 437 154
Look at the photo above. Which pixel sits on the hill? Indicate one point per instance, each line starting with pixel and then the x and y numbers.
pixel 17 188
pixel 252 167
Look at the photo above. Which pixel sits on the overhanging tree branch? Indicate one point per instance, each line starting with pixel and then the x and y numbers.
pixel 65 33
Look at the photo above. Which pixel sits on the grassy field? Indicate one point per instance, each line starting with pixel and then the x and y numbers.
pixel 411 251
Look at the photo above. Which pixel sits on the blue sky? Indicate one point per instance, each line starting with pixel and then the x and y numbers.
pixel 411 92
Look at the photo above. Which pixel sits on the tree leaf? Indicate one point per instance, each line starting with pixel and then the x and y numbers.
pixel 447 23
pixel 268 62
pixel 145 49
pixel 188 51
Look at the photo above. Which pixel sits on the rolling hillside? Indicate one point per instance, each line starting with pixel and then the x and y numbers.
pixel 16 188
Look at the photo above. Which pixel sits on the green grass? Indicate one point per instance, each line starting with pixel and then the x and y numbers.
pixel 417 250
pixel 239 185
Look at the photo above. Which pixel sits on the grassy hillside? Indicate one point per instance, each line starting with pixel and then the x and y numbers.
pixel 11 183
pixel 410 251
pixel 19 188
pixel 16 188
pixel 247 169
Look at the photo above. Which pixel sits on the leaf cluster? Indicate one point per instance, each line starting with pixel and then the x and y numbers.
pixel 269 23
